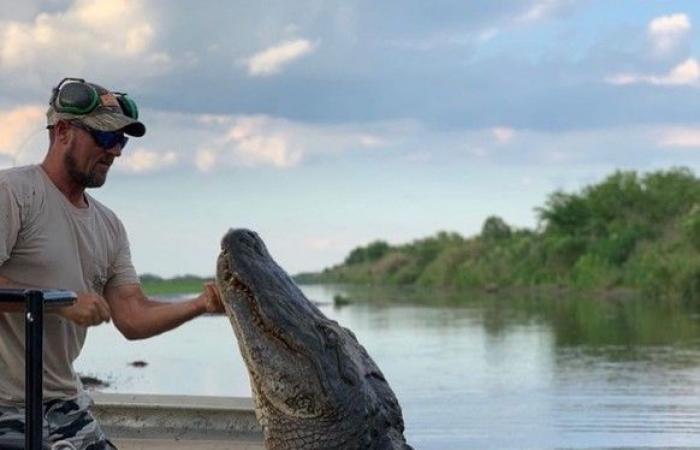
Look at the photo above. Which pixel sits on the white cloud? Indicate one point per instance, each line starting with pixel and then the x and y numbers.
pixel 143 161
pixel 680 137
pixel 503 135
pixel 205 159
pixel 100 36
pixel 667 31
pixel 274 59
pixel 255 144
pixel 686 73
pixel 487 35
pixel 371 141
pixel 541 9
pixel 17 125
pixel 266 141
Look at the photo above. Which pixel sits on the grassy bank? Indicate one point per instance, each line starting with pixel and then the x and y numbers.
pixel 631 231
pixel 187 284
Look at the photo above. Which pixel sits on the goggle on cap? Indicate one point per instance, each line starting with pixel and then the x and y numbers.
pixel 95 107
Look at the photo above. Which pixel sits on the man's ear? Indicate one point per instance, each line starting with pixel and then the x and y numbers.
pixel 63 132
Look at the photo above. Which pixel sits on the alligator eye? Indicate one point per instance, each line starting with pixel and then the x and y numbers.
pixel 331 335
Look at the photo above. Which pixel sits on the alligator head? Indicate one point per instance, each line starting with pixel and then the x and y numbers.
pixel 314 385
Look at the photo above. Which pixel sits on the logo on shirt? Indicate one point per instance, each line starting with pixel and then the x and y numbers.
pixel 98 283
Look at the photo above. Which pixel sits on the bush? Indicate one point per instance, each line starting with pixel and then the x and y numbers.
pixel 443 269
pixel 495 229
pixel 592 271
pixel 370 253
pixel 691 227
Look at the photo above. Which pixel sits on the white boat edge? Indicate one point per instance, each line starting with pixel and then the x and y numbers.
pixel 148 421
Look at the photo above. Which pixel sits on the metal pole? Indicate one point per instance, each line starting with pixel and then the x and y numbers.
pixel 34 377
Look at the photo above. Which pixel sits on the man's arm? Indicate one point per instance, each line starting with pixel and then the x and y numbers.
pixel 10 224
pixel 137 317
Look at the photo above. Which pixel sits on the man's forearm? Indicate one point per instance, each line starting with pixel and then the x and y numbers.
pixel 154 318
pixel 138 317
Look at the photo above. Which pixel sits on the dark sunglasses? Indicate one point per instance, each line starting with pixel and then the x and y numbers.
pixel 104 139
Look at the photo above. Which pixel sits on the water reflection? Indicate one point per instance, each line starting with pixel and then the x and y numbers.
pixel 472 370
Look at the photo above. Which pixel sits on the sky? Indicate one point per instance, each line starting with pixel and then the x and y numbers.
pixel 325 125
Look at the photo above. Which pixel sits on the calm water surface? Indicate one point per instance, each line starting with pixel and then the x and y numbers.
pixel 471 372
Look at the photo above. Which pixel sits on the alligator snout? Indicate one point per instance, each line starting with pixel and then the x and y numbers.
pixel 251 241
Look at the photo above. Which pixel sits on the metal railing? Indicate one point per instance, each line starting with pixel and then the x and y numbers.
pixel 34 301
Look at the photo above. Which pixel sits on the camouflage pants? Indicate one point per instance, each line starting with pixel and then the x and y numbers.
pixel 68 425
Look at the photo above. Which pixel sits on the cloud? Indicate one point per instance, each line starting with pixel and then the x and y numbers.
pixel 266 141
pixel 542 9
pixel 205 159
pixel 255 145
pixel 247 141
pixel 667 31
pixel 371 141
pixel 274 59
pixel 19 124
pixel 686 73
pixel 116 33
pixel 680 137
pixel 143 161
pixel 503 135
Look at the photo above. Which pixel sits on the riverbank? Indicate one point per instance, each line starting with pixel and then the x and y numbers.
pixel 154 285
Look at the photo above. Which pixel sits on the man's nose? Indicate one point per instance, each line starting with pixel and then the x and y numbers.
pixel 116 150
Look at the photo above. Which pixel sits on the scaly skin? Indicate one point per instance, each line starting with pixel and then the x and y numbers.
pixel 314 385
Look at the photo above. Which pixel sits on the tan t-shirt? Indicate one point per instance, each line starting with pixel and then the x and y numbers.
pixel 46 242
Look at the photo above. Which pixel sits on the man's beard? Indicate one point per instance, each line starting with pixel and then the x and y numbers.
pixel 87 180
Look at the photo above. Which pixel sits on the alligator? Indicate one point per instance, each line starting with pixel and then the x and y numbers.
pixel 314 385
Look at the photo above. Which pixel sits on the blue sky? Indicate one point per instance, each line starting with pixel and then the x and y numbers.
pixel 325 125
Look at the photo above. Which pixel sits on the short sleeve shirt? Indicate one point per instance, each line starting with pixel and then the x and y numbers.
pixel 47 242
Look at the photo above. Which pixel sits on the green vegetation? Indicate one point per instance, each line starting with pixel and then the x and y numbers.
pixel 630 231
pixel 187 284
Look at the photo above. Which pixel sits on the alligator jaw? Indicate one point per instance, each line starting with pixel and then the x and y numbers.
pixel 255 333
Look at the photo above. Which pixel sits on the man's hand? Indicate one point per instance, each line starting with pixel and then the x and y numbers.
pixel 211 299
pixel 90 309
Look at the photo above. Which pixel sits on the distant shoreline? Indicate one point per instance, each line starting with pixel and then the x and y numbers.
pixel 187 284
pixel 630 232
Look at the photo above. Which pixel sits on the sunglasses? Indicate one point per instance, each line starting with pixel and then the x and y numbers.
pixel 104 139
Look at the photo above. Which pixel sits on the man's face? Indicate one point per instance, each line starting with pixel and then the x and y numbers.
pixel 87 163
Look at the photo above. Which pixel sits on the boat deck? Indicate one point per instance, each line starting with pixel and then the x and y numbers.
pixel 174 422
pixel 172 444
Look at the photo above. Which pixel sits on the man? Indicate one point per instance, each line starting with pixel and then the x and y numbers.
pixel 54 235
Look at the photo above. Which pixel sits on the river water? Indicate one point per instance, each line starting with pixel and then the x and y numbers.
pixel 471 371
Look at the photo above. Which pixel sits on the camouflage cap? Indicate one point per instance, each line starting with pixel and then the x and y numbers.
pixel 107 116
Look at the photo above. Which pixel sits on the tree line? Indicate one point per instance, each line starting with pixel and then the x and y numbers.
pixel 636 231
